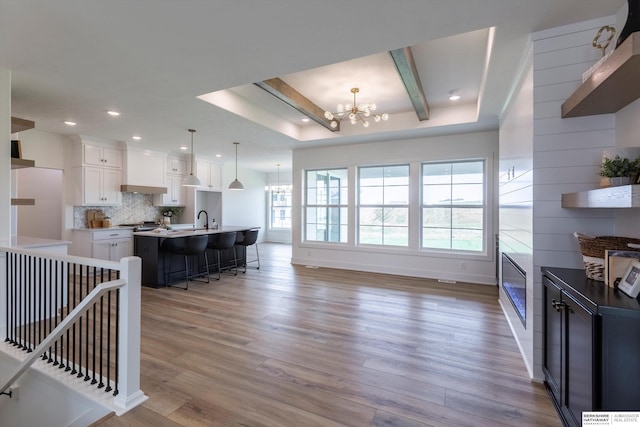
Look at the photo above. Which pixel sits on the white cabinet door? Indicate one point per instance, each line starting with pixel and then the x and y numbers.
pixel 101 250
pixel 203 171
pixel 102 156
pixel 175 195
pixel 101 187
pixel 177 166
pixel 111 181
pixel 92 178
pixel 120 249
pixel 112 158
pixel 209 175
pixel 93 155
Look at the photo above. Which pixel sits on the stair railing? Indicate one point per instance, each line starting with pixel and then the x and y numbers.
pixel 80 316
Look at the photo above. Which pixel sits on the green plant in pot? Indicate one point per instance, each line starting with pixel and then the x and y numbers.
pixel 619 170
pixel 170 212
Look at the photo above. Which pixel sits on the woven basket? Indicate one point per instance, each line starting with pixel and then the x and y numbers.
pixel 593 251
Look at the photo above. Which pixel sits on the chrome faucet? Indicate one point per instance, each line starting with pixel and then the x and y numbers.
pixel 206 216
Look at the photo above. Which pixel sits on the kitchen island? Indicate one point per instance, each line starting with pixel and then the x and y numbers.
pixel 154 261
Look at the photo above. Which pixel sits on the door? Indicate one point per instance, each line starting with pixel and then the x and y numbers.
pixel 553 338
pixel 580 388
pixel 92 186
pixel 111 181
pixel 120 249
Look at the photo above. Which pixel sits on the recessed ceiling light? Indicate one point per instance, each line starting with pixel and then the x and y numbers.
pixel 454 95
pixel 183 147
pixel 306 119
pixel 136 137
pixel 113 113
pixel 218 155
pixel 70 123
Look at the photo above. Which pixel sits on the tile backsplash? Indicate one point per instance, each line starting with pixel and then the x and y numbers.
pixel 135 208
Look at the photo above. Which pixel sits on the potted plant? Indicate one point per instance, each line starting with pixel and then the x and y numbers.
pixel 619 170
pixel 170 212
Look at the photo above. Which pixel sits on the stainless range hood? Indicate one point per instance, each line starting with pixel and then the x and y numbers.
pixel 142 189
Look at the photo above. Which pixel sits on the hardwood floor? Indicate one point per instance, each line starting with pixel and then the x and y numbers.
pixel 293 346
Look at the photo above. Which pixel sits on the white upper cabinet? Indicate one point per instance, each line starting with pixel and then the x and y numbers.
pixel 176 166
pixel 99 186
pixel 98 174
pixel 175 195
pixel 209 174
pixel 94 155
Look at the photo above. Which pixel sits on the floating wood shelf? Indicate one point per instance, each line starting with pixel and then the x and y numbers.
pixel 19 125
pixel 624 196
pixel 23 202
pixel 612 86
pixel 22 163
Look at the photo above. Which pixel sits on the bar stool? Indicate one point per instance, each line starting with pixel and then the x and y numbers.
pixel 249 238
pixel 188 247
pixel 219 242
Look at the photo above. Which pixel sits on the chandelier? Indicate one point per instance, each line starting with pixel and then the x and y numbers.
pixel 355 112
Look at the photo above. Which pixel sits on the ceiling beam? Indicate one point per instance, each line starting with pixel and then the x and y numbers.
pixel 281 90
pixel 403 58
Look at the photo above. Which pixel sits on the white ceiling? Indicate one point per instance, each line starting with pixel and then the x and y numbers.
pixel 152 59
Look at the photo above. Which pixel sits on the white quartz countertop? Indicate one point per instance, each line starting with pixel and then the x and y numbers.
pixel 162 233
pixel 25 242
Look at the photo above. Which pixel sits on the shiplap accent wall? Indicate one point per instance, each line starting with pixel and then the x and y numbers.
pixel 516 200
pixel 565 156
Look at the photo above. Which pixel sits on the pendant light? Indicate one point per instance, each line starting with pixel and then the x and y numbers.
pixel 236 185
pixel 278 191
pixel 191 180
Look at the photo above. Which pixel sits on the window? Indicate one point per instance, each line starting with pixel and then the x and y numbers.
pixel 326 205
pixel 383 205
pixel 453 205
pixel 280 206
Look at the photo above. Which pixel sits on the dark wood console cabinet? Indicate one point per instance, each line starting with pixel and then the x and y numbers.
pixel 591 345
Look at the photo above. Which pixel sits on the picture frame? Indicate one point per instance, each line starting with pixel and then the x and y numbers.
pixel 616 263
pixel 16 149
pixel 630 283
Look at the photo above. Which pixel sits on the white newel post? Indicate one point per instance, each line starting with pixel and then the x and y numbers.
pixel 129 393
pixel 5 185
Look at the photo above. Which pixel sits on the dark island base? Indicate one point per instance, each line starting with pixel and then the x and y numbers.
pixel 156 263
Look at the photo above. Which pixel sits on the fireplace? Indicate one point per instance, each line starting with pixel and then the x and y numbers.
pixel 514 284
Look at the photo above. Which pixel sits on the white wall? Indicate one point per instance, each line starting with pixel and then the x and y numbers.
pixel 43 220
pixel 245 207
pixel 627 221
pixel 516 199
pixel 403 261
pixel 565 157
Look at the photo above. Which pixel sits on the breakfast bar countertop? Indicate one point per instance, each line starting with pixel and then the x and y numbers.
pixel 163 233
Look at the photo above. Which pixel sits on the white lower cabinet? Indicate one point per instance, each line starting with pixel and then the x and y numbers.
pixel 107 243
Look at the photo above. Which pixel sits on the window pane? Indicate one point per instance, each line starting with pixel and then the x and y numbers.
pixel 468 240
pixel 467 218
pixel 396 216
pixel 371 176
pixel 467 194
pixel 396 236
pixel 445 185
pixel 467 172
pixel 371 195
pixel 436 173
pixel 396 195
pixel 371 216
pixel 438 238
pixel 327 196
pixel 370 235
pixel 436 217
